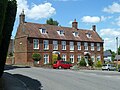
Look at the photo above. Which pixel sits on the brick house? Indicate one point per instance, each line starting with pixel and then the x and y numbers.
pixel 70 42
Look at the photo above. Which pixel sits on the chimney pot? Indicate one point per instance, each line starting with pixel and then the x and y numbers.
pixel 94 27
pixel 75 24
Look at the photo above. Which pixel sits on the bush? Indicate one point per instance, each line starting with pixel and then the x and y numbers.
pixel 98 64
pixel 36 56
pixel 82 62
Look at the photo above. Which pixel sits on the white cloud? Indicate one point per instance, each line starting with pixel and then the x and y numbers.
pixel 95 19
pixel 35 12
pixel 114 8
pixel 90 19
pixel 109 35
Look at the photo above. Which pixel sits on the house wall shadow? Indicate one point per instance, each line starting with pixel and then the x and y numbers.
pixel 32 84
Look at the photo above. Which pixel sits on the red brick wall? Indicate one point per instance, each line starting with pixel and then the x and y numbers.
pixel 20 50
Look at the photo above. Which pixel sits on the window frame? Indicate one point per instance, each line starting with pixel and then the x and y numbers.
pixel 34 42
pixel 46 44
pixel 92 46
pixel 86 46
pixel 55 45
pixel 63 45
pixel 78 45
pixel 46 58
pixel 72 58
pixel 71 44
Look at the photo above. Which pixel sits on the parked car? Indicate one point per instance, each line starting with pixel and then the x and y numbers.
pixel 108 67
pixel 62 64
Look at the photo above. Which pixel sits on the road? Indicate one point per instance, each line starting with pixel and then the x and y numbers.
pixel 54 79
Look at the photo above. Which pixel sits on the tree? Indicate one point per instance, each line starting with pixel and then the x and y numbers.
pixel 82 62
pixel 113 53
pixel 3 6
pixel 7 31
pixel 52 22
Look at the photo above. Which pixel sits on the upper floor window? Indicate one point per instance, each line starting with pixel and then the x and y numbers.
pixel 46 44
pixel 85 45
pixel 71 45
pixel 92 46
pixel 35 43
pixel 64 57
pixel 79 45
pixel 75 34
pixel 98 46
pixel 72 58
pixel 46 59
pixel 60 32
pixel 55 45
pixel 43 31
pixel 63 45
pixel 89 35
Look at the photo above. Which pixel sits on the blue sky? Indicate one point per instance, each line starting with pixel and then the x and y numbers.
pixel 105 14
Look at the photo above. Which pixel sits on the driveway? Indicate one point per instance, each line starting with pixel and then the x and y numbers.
pixel 54 79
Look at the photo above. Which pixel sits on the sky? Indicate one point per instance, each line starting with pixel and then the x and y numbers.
pixel 105 14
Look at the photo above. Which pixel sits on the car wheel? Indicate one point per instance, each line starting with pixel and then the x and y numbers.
pixel 59 67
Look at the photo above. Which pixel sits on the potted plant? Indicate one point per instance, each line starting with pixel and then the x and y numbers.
pixel 36 57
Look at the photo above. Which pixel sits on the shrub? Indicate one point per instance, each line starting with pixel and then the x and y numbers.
pixel 98 64
pixel 82 62
pixel 36 56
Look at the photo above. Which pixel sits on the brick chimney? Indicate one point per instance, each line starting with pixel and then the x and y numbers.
pixel 94 27
pixel 75 24
pixel 22 17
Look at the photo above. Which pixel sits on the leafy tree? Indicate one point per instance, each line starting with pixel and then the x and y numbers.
pixel 3 6
pixel 36 56
pixel 7 31
pixel 119 50
pixel 82 62
pixel 113 53
pixel 52 22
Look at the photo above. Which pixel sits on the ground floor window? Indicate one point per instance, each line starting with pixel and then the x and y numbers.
pixel 46 59
pixel 78 58
pixel 93 58
pixel 64 57
pixel 72 58
pixel 98 58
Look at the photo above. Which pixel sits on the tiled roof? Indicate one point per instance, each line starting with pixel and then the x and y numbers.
pixel 32 30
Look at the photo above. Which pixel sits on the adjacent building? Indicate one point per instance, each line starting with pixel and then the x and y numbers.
pixel 107 56
pixel 71 43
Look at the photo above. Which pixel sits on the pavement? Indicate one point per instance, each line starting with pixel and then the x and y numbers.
pixel 9 82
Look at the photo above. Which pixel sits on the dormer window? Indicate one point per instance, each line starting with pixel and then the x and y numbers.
pixel 43 31
pixel 88 35
pixel 75 34
pixel 60 32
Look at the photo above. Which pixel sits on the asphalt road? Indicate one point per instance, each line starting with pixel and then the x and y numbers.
pixel 54 79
